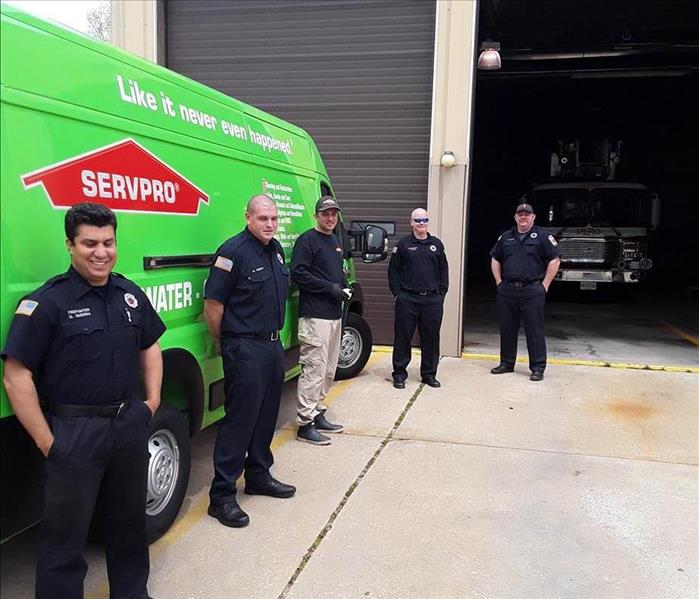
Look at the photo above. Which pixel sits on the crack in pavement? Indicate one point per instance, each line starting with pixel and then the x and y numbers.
pixel 329 524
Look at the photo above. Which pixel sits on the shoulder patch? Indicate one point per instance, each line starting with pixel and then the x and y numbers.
pixel 26 307
pixel 395 249
pixel 552 239
pixel 224 264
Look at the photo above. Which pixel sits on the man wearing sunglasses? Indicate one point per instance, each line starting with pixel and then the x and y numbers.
pixel 418 278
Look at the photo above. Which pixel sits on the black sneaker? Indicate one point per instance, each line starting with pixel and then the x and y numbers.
pixel 537 375
pixel 430 381
pixel 398 384
pixel 308 434
pixel 322 424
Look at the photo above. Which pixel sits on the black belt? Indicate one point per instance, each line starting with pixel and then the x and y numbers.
pixel 266 336
pixel 423 291
pixel 75 410
pixel 521 283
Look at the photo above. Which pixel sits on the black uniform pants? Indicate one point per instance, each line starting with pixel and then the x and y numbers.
pixel 91 457
pixel 528 303
pixel 425 312
pixel 253 378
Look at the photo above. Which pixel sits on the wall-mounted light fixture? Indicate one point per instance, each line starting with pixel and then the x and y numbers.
pixel 489 59
pixel 448 159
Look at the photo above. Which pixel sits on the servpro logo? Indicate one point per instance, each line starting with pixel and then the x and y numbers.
pixel 123 176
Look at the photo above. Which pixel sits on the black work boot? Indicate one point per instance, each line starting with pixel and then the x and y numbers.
pixel 271 488
pixel 229 514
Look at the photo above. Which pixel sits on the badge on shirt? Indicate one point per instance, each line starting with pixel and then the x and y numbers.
pixel 279 257
pixel 130 300
pixel 533 235
pixel 552 239
pixel 412 249
pixel 433 248
pixel 26 307
pixel 224 264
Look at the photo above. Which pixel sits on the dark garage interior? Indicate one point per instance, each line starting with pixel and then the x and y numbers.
pixel 589 71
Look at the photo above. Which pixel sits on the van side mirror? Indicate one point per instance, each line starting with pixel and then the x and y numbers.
pixel 370 240
pixel 375 244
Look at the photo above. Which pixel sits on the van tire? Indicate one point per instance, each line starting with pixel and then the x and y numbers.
pixel 168 469
pixel 355 347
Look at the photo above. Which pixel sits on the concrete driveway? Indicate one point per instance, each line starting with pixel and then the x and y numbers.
pixel 583 485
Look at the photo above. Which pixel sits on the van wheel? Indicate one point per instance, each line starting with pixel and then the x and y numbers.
pixel 355 347
pixel 168 469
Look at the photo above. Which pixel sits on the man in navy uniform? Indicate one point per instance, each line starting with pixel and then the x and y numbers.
pixel 524 262
pixel 418 276
pixel 78 343
pixel 244 308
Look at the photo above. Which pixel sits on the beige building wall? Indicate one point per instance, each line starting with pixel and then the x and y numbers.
pixel 138 27
pixel 452 129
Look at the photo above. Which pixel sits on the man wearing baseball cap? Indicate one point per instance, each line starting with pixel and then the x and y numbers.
pixel 524 262
pixel 316 267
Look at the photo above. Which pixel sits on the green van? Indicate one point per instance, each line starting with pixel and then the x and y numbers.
pixel 83 121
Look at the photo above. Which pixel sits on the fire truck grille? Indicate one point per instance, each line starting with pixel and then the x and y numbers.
pixel 594 251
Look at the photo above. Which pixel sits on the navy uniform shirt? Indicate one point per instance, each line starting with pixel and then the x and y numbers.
pixel 251 280
pixel 83 343
pixel 316 267
pixel 525 260
pixel 418 265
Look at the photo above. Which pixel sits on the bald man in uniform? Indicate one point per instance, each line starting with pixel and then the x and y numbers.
pixel 418 276
pixel 244 309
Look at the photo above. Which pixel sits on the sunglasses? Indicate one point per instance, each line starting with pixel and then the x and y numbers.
pixel 421 221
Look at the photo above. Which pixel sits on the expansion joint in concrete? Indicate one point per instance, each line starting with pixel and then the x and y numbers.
pixel 329 524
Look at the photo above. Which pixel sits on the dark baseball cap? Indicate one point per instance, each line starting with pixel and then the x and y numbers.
pixel 525 208
pixel 326 203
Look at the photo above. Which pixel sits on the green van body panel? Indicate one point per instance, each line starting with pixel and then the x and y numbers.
pixel 64 96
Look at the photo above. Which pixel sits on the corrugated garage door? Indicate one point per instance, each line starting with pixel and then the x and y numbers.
pixel 356 74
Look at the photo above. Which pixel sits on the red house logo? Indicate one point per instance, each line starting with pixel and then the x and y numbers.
pixel 123 176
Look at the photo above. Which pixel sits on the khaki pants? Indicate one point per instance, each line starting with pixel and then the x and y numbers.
pixel 320 348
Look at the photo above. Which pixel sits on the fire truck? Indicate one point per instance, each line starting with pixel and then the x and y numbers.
pixel 603 225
